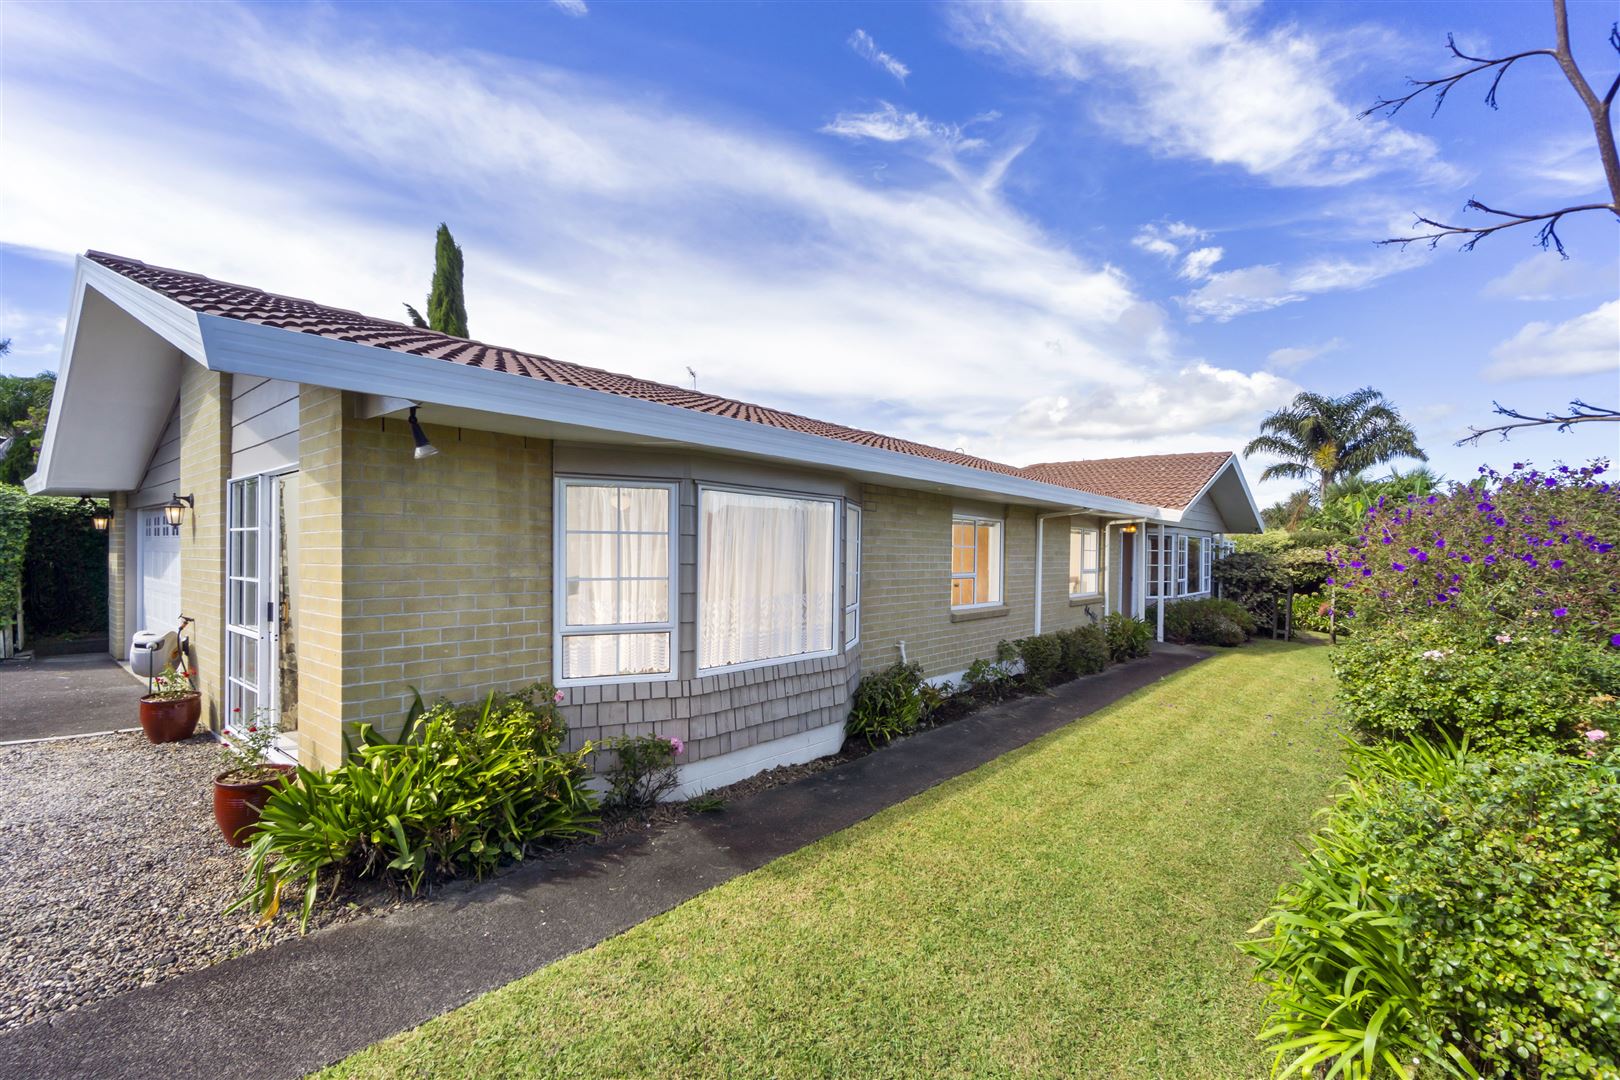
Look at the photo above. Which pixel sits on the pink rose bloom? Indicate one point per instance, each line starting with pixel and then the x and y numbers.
pixel 558 697
pixel 1597 736
pixel 676 745
pixel 1504 639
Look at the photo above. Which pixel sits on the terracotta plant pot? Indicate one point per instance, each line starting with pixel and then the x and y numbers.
pixel 170 719
pixel 237 803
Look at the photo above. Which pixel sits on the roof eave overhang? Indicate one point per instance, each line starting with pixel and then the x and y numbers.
pixel 253 349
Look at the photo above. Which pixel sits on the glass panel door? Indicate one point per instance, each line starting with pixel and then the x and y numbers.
pixel 244 607
pixel 284 653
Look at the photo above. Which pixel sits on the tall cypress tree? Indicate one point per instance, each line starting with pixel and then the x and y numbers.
pixel 447 303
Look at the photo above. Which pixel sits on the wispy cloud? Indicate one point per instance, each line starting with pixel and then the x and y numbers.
pixel 747 255
pixel 576 8
pixel 1229 293
pixel 1204 81
pixel 1292 357
pixel 886 123
pixel 1588 344
pixel 1544 276
pixel 866 48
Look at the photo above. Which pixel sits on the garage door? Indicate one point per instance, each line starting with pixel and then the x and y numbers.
pixel 158 601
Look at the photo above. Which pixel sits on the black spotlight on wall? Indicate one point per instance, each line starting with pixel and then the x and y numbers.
pixel 424 449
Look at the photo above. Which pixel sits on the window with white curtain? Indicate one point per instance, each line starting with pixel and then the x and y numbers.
pixel 1196 578
pixel 617 574
pixel 975 561
pixel 852 575
pixel 1190 559
pixel 767 577
pixel 1085 566
pixel 1153 574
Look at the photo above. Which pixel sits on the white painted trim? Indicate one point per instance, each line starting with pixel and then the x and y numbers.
pixel 1001 540
pixel 710 773
pixel 837 627
pixel 559 582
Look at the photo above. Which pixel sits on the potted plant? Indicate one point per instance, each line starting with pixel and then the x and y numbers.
pixel 249 779
pixel 170 711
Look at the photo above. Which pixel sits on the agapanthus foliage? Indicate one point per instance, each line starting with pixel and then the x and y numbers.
pixel 1528 547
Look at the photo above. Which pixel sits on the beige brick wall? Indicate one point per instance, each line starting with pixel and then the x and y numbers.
pixel 1058 612
pixel 119 561
pixel 432 574
pixel 905 592
pixel 205 457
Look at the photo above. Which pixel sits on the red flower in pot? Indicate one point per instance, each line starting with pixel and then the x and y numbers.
pixel 251 776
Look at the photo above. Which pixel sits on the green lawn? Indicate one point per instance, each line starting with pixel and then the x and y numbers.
pixel 1067 910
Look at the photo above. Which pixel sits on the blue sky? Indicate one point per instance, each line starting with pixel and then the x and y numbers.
pixel 1033 232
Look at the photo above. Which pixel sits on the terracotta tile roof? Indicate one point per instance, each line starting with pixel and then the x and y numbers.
pixel 1157 481
pixel 244 302
pixel 1168 480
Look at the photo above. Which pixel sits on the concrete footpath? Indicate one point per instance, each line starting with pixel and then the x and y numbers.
pixel 288 1010
pixel 66 695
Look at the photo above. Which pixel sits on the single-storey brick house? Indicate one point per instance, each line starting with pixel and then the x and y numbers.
pixel 675 562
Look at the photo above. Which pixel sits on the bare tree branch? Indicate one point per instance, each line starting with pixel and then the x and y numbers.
pixel 1547 236
pixel 1598 108
pixel 1444 86
pixel 1580 412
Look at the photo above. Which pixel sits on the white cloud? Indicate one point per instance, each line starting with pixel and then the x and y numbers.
pixel 36 340
pixel 1294 356
pixel 1200 261
pixel 1205 81
pixel 866 48
pixel 1545 276
pixel 575 8
pixel 602 224
pixel 1197 397
pixel 1588 344
pixel 888 124
pixel 1563 165
pixel 1229 293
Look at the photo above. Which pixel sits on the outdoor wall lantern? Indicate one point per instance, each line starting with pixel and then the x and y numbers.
pixel 1128 529
pixel 424 449
pixel 174 511
pixel 100 516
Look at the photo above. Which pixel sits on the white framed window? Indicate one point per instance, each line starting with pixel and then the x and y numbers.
pixel 975 561
pixel 1153 573
pixel 1197 577
pixel 1085 566
pixel 767 578
pixel 1178 566
pixel 616 580
pixel 852 575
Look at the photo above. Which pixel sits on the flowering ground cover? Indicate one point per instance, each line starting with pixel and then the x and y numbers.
pixel 1066 910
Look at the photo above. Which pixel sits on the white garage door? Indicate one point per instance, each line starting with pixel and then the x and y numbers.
pixel 159 597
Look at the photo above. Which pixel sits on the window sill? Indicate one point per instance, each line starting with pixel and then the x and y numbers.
pixel 972 614
pixel 1085 601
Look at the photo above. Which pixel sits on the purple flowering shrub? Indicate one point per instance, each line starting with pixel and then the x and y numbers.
pixel 1492 610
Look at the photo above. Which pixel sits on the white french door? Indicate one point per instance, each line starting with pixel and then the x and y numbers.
pixel 261 545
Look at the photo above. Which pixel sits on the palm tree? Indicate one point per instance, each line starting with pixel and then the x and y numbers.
pixel 1328 438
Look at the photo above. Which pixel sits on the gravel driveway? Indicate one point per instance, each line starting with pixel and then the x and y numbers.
pixel 112 872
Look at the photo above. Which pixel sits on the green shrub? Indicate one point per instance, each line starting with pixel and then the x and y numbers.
pixel 991 681
pixel 1128 637
pixel 65 570
pixel 1255 579
pixel 1085 650
pixel 888 704
pixel 13 546
pixel 1206 621
pixel 1312 611
pixel 462 789
pixel 643 771
pixel 1525 688
pixel 1042 655
pixel 1458 914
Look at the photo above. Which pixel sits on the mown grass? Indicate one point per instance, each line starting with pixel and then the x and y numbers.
pixel 1067 910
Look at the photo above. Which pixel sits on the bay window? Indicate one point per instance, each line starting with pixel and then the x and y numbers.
pixel 1085 576
pixel 975 562
pixel 767 577
pixel 1189 562
pixel 616 567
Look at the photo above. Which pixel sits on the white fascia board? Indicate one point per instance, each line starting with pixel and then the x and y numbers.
pixel 169 319
pixel 172 321
pixel 1233 467
pixel 253 349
